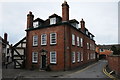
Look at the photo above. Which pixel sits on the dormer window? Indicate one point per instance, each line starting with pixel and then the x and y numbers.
pixel 35 24
pixel 87 32
pixel 53 20
pixel 75 25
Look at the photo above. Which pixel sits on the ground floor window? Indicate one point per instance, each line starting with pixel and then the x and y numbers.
pixel 53 57
pixel 78 57
pixel 73 57
pixel 81 56
pixel 35 57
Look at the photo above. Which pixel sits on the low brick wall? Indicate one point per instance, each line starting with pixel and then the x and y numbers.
pixel 114 63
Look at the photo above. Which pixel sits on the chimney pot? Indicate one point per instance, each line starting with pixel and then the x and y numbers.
pixel 30 18
pixel 5 37
pixel 65 11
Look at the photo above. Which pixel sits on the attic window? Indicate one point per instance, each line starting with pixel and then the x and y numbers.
pixel 87 32
pixel 75 25
pixel 35 24
pixel 53 20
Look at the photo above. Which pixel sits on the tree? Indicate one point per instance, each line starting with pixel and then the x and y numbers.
pixel 116 51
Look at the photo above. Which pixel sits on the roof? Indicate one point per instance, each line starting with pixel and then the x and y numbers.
pixel 55 15
pixel 54 25
pixel 19 42
pixel 106 52
pixel 38 19
pixel 73 20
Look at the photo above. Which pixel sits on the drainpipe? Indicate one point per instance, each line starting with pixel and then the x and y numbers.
pixel 64 47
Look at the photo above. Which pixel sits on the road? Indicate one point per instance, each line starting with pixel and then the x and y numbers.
pixel 92 71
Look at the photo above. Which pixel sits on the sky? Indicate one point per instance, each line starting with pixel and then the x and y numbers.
pixel 101 17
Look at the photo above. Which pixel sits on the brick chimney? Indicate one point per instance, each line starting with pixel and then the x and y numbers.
pixel 5 37
pixel 65 11
pixel 82 25
pixel 30 18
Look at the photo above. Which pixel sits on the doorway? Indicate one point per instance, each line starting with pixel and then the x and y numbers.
pixel 43 62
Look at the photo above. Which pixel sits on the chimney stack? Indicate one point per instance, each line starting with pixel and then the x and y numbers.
pixel 30 18
pixel 65 11
pixel 82 25
pixel 5 37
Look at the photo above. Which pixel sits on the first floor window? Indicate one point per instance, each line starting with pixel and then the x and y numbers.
pixel 53 57
pixel 78 57
pixel 87 45
pixel 73 39
pixel 35 57
pixel 53 38
pixel 78 42
pixel 43 39
pixel 81 56
pixel 88 56
pixel 35 40
pixel 81 42
pixel 73 57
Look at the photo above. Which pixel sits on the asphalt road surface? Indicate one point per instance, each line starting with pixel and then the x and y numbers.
pixel 92 71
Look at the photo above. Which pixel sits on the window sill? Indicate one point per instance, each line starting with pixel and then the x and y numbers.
pixel 52 44
pixel 53 63
pixel 43 44
pixel 35 46
pixel 34 62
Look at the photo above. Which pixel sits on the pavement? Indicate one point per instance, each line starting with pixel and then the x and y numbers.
pixel 93 70
pixel 110 74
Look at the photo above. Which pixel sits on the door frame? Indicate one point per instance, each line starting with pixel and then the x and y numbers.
pixel 41 64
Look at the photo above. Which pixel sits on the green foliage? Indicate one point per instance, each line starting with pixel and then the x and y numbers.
pixel 116 51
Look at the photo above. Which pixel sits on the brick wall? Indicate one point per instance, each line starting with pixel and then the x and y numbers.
pixel 114 64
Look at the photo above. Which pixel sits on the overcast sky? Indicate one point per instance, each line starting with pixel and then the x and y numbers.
pixel 101 17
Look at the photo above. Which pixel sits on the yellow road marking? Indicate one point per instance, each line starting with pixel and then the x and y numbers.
pixel 107 74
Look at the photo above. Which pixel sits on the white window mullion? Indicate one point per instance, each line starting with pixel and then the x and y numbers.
pixel 81 42
pixel 53 20
pixel 35 57
pixel 35 40
pixel 73 57
pixel 53 38
pixel 53 57
pixel 78 57
pixel 78 41
pixel 73 39
pixel 43 39
pixel 81 56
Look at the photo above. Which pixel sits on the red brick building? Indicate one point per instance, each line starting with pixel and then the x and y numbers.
pixel 58 43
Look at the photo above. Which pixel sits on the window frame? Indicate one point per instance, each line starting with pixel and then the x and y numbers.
pixel 35 42
pixel 81 56
pixel 33 56
pixel 52 62
pixel 51 38
pixel 73 57
pixel 81 42
pixel 87 45
pixel 53 20
pixel 78 41
pixel 35 24
pixel 78 56
pixel 73 39
pixel 45 39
